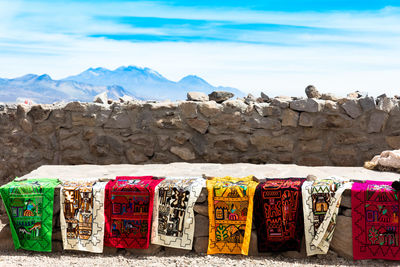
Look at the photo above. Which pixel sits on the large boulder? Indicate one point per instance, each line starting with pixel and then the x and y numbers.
pixel 220 96
pixel 312 92
pixel 308 105
pixel 197 96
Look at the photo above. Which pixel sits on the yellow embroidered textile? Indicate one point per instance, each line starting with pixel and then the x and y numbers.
pixel 230 209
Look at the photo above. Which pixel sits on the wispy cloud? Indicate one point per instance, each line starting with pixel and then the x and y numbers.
pixel 251 48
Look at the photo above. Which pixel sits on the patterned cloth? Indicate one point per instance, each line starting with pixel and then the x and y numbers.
pixel 173 215
pixel 278 214
pixel 82 215
pixel 375 213
pixel 230 208
pixel 128 210
pixel 29 206
pixel 321 201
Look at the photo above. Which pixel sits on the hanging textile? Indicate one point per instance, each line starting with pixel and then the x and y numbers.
pixel 230 207
pixel 128 211
pixel 29 205
pixel 173 215
pixel 375 215
pixel 321 201
pixel 278 214
pixel 82 215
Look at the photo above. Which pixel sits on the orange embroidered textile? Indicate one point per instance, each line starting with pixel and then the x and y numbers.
pixel 230 209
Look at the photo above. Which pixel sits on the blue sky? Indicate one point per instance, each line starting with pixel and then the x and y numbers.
pixel 278 47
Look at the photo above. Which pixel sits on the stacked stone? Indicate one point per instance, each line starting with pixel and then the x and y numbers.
pixel 319 130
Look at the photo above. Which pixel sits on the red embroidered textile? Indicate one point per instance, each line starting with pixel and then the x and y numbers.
pixel 375 213
pixel 278 214
pixel 128 210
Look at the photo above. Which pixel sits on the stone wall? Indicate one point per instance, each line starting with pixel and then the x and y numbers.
pixel 307 131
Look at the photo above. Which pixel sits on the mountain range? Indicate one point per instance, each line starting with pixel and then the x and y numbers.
pixel 140 83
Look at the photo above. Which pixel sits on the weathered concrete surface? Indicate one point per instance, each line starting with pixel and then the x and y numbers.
pixel 208 169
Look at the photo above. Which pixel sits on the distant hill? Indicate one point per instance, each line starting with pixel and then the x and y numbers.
pixel 43 89
pixel 146 83
pixel 140 83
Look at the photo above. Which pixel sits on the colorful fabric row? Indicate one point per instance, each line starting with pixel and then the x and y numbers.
pixel 129 212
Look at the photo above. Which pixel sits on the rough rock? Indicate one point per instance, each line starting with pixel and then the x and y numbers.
pixel 209 108
pixel 39 114
pixel 101 98
pixel 386 104
pixel 249 99
pixel 2 106
pixel 271 143
pixel 352 108
pixel 264 97
pixel 342 241
pixel 220 96
pixel 201 227
pixel 290 118
pixel 367 103
pixel 329 96
pixel 203 196
pixel 331 106
pixel 234 105
pixel 188 109
pixel 197 96
pixel 265 109
pixel 393 141
pixel 281 101
pixel 306 119
pixel 346 199
pixel 199 125
pixel 6 243
pixel 183 152
pixel 312 92
pixel 344 156
pixel 26 125
pixel 308 105
pixel 201 209
pixel 201 244
pixel 377 122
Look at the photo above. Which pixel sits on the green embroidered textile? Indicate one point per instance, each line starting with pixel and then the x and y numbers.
pixel 29 206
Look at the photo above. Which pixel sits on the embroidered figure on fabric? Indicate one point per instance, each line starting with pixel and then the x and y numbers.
pixel 82 217
pixel 279 220
pixel 173 215
pixel 29 205
pixel 321 201
pixel 230 225
pixel 172 208
pixel 27 211
pixel 129 207
pixel 78 208
pixel 375 221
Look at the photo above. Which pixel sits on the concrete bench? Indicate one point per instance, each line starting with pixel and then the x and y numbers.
pixel 342 240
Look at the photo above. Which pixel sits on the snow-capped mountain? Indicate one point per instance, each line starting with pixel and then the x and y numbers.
pixel 42 89
pixel 140 83
pixel 147 83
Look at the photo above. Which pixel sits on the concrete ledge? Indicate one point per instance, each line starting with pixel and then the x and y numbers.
pixel 342 239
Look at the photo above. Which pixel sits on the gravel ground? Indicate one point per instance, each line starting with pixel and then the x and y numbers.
pixel 25 258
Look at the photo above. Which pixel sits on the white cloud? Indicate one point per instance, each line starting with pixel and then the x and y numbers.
pixel 362 54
